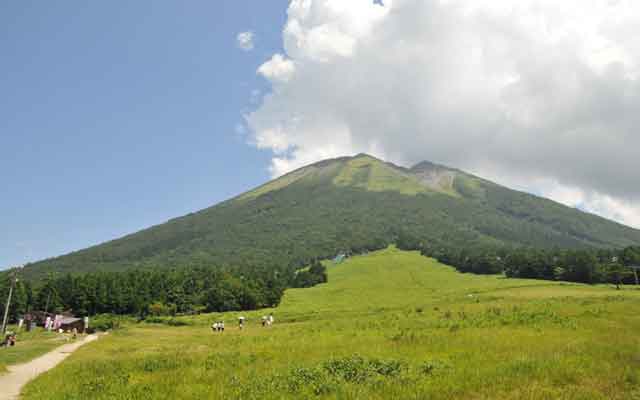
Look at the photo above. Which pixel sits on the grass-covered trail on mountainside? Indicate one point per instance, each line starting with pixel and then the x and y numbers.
pixel 388 325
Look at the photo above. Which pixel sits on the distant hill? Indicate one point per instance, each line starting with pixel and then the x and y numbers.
pixel 348 204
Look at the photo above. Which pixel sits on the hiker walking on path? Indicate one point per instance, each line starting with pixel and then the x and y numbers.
pixel 240 322
pixel 270 320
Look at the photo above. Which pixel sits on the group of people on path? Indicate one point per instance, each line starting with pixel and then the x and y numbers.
pixel 218 326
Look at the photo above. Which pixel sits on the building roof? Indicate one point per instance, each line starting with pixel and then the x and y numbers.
pixel 69 320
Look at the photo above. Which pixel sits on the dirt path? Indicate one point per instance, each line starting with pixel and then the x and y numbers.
pixel 18 375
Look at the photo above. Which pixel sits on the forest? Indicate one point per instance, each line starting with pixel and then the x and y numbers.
pixel 145 293
pixel 589 266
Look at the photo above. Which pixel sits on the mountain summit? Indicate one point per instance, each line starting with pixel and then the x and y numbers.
pixel 349 204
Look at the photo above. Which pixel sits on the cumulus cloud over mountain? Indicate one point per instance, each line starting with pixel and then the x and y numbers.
pixel 540 94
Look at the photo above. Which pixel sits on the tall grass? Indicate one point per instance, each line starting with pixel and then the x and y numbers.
pixel 389 325
pixel 29 345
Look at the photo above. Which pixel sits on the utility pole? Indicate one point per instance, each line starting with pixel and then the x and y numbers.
pixel 8 304
pixel 46 307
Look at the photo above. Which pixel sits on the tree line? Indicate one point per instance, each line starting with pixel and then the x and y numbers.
pixel 208 289
pixel 589 266
pixel 157 292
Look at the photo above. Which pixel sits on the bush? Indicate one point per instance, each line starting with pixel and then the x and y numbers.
pixel 177 322
pixel 315 274
pixel 105 322
pixel 159 309
pixel 166 321
pixel 351 369
pixel 387 368
pixel 358 369
pixel 432 367
pixel 301 377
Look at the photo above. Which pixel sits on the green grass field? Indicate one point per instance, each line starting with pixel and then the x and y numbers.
pixel 388 325
pixel 30 345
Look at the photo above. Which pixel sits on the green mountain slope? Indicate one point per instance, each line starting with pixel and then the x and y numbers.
pixel 395 279
pixel 352 203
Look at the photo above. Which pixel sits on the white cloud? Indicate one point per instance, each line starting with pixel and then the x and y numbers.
pixel 245 40
pixel 585 199
pixel 278 69
pixel 543 91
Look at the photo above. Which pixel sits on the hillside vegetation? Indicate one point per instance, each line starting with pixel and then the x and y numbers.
pixel 348 204
pixel 387 325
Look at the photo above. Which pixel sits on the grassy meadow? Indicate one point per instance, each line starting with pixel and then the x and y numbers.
pixel 388 325
pixel 29 346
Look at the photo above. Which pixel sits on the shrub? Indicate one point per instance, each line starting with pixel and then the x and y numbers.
pixel 177 322
pixel 351 369
pixel 388 368
pixel 301 377
pixel 357 369
pixel 158 309
pixel 432 367
pixel 105 322
pixel 166 321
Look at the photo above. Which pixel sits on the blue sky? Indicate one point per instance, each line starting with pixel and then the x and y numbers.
pixel 118 116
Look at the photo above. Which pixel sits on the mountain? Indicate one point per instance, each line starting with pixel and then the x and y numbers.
pixel 348 204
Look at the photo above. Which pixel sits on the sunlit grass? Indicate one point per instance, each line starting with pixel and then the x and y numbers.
pixel 374 175
pixel 29 345
pixel 388 325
